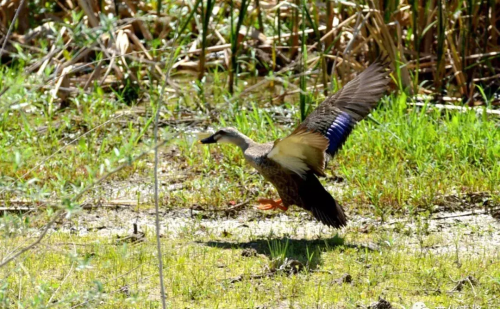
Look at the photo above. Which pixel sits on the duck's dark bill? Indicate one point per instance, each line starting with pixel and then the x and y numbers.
pixel 208 140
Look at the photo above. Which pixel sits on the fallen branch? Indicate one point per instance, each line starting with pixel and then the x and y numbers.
pixel 260 276
pixel 467 214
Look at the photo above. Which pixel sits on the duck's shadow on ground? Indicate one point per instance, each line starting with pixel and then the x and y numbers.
pixel 307 251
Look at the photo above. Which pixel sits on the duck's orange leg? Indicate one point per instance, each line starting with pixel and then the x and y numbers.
pixel 269 204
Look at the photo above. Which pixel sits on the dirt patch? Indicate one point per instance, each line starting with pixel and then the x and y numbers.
pixel 460 231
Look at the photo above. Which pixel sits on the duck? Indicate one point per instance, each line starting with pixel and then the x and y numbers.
pixel 293 163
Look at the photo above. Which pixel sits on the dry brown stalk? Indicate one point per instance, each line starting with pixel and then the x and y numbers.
pixel 87 8
pixel 457 65
pixel 138 43
pixel 144 29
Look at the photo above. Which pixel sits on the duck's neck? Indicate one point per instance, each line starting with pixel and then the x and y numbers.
pixel 243 142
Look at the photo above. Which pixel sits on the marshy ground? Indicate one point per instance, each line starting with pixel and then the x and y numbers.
pixel 420 196
pixel 238 257
pixel 81 83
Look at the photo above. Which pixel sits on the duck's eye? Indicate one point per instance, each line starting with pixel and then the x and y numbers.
pixel 221 133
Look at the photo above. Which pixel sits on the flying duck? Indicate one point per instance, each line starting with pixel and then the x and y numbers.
pixel 293 164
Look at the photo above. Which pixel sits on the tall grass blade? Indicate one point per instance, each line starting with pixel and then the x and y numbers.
pixel 259 16
pixel 314 25
pixel 295 30
pixel 205 21
pixel 188 19
pixel 278 19
pixel 303 83
pixel 416 40
pixel 438 78
pixel 234 42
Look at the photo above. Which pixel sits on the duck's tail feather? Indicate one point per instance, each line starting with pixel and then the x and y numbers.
pixel 322 205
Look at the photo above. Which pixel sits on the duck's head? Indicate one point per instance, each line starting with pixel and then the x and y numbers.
pixel 227 135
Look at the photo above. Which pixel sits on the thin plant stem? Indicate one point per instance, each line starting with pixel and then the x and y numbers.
pixel 157 215
pixel 206 21
pixel 6 38
pixel 157 211
pixel 234 42
pixel 278 13
pixel 259 16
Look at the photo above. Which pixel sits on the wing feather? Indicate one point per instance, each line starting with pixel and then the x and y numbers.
pixel 338 114
pixel 301 151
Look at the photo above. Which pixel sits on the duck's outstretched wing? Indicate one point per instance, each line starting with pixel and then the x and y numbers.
pixel 326 129
pixel 335 117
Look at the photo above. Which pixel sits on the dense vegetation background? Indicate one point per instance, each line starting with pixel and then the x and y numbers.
pixel 443 48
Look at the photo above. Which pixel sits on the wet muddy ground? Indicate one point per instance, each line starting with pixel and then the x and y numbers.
pixel 457 226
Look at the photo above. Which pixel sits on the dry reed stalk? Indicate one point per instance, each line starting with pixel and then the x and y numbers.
pixel 94 23
pixel 493 22
pixel 89 11
pixel 457 65
pixel 387 43
pixel 95 75
pixel 334 29
pixel 295 30
pixel 42 63
pixel 440 69
pixel 138 43
pixel 288 35
pixel 427 19
pixel 140 24
pixel 207 13
pixel 62 81
pixel 329 23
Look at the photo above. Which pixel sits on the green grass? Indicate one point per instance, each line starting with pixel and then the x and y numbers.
pixel 397 168
pixel 200 268
pixel 407 162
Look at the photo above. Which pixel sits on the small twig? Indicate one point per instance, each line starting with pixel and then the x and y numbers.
pixel 16 209
pixel 462 215
pixel 237 206
pixel 322 271
pixel 471 285
pixel 61 284
pixel 56 217
pixel 232 208
pixel 260 276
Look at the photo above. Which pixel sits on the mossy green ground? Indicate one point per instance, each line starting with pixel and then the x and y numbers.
pixel 400 168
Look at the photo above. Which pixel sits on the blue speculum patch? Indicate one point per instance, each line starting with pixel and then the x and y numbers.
pixel 338 131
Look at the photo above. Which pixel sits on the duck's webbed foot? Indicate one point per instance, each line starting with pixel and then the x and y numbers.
pixel 269 204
